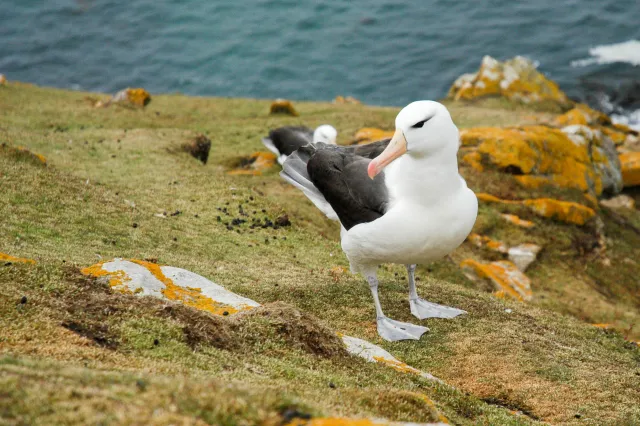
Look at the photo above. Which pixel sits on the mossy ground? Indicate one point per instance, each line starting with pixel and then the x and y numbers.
pixel 110 170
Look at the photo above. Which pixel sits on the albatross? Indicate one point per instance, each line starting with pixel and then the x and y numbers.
pixel 401 201
pixel 283 141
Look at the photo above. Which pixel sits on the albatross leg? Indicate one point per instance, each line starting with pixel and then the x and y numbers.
pixel 422 309
pixel 389 329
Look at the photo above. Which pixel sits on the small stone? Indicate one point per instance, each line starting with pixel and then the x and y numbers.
pixel 135 225
pixel 156 342
pixel 199 148
pixel 283 220
pixel 283 106
pixel 3 80
pixel 23 300
pixel 523 255
pixel 508 310
pixel 620 202
pixel 332 385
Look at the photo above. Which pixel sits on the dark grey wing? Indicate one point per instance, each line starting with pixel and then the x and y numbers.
pixel 289 138
pixel 341 177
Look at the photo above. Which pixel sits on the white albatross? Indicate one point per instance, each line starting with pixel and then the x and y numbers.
pixel 283 141
pixel 408 205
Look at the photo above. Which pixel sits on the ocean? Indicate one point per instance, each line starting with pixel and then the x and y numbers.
pixel 380 51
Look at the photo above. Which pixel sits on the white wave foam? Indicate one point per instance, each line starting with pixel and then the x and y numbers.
pixel 628 51
pixel 632 119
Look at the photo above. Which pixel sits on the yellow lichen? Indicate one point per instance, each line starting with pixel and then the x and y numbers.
pixel 516 79
pixel 138 97
pixel 584 115
pixel 26 151
pixel 189 296
pixel 3 80
pixel 630 165
pixel 116 279
pixel 397 365
pixel 8 258
pixel 561 210
pixel 371 134
pixel 504 275
pixel 255 164
pixel 474 159
pixel 515 220
pixel 564 211
pixel 341 100
pixel 573 157
pixel 602 325
pixel 484 241
pixel 283 106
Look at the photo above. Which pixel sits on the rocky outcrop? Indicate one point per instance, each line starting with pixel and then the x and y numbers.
pixel 516 79
pixel 583 115
pixel 563 211
pixel 521 255
pixel 371 134
pixel 283 106
pixel 630 165
pixel 619 202
pixel 573 157
pixel 254 164
pixel 3 80
pixel 503 275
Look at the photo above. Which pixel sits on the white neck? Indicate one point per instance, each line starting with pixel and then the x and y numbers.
pixel 426 180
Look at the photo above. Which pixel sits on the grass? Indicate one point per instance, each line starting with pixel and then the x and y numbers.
pixel 74 353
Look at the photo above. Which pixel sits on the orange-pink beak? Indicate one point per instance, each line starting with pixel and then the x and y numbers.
pixel 397 147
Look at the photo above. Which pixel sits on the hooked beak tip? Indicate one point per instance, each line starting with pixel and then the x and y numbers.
pixel 372 169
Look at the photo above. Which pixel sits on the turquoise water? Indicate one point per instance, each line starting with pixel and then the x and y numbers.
pixel 380 51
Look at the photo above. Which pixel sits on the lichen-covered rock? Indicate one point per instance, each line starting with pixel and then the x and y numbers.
pixel 283 106
pixel 12 259
pixel 167 282
pixel 3 80
pixel 583 115
pixel 484 241
pixel 255 164
pixel 341 100
pixel 516 79
pixel 515 220
pixel 21 151
pixel 523 255
pixel 371 134
pixel 132 96
pixel 630 165
pixel 503 275
pixel 474 159
pixel 572 157
pixel 373 353
pixel 619 202
pixel 564 211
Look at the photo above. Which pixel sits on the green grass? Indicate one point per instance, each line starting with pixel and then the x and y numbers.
pixel 74 353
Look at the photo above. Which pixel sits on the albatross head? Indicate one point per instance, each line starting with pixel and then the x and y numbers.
pixel 422 128
pixel 325 133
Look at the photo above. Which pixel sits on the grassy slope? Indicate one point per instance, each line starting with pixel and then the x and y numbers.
pixel 537 359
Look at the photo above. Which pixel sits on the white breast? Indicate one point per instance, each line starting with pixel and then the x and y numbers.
pixel 411 233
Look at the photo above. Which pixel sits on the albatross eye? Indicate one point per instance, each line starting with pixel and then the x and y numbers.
pixel 419 124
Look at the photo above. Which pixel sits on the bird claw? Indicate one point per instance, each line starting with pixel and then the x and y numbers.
pixel 422 309
pixel 392 330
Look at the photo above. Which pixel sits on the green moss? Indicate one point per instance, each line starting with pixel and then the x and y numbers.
pixel 541 359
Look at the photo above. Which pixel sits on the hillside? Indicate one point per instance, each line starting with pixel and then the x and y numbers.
pixel 117 185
